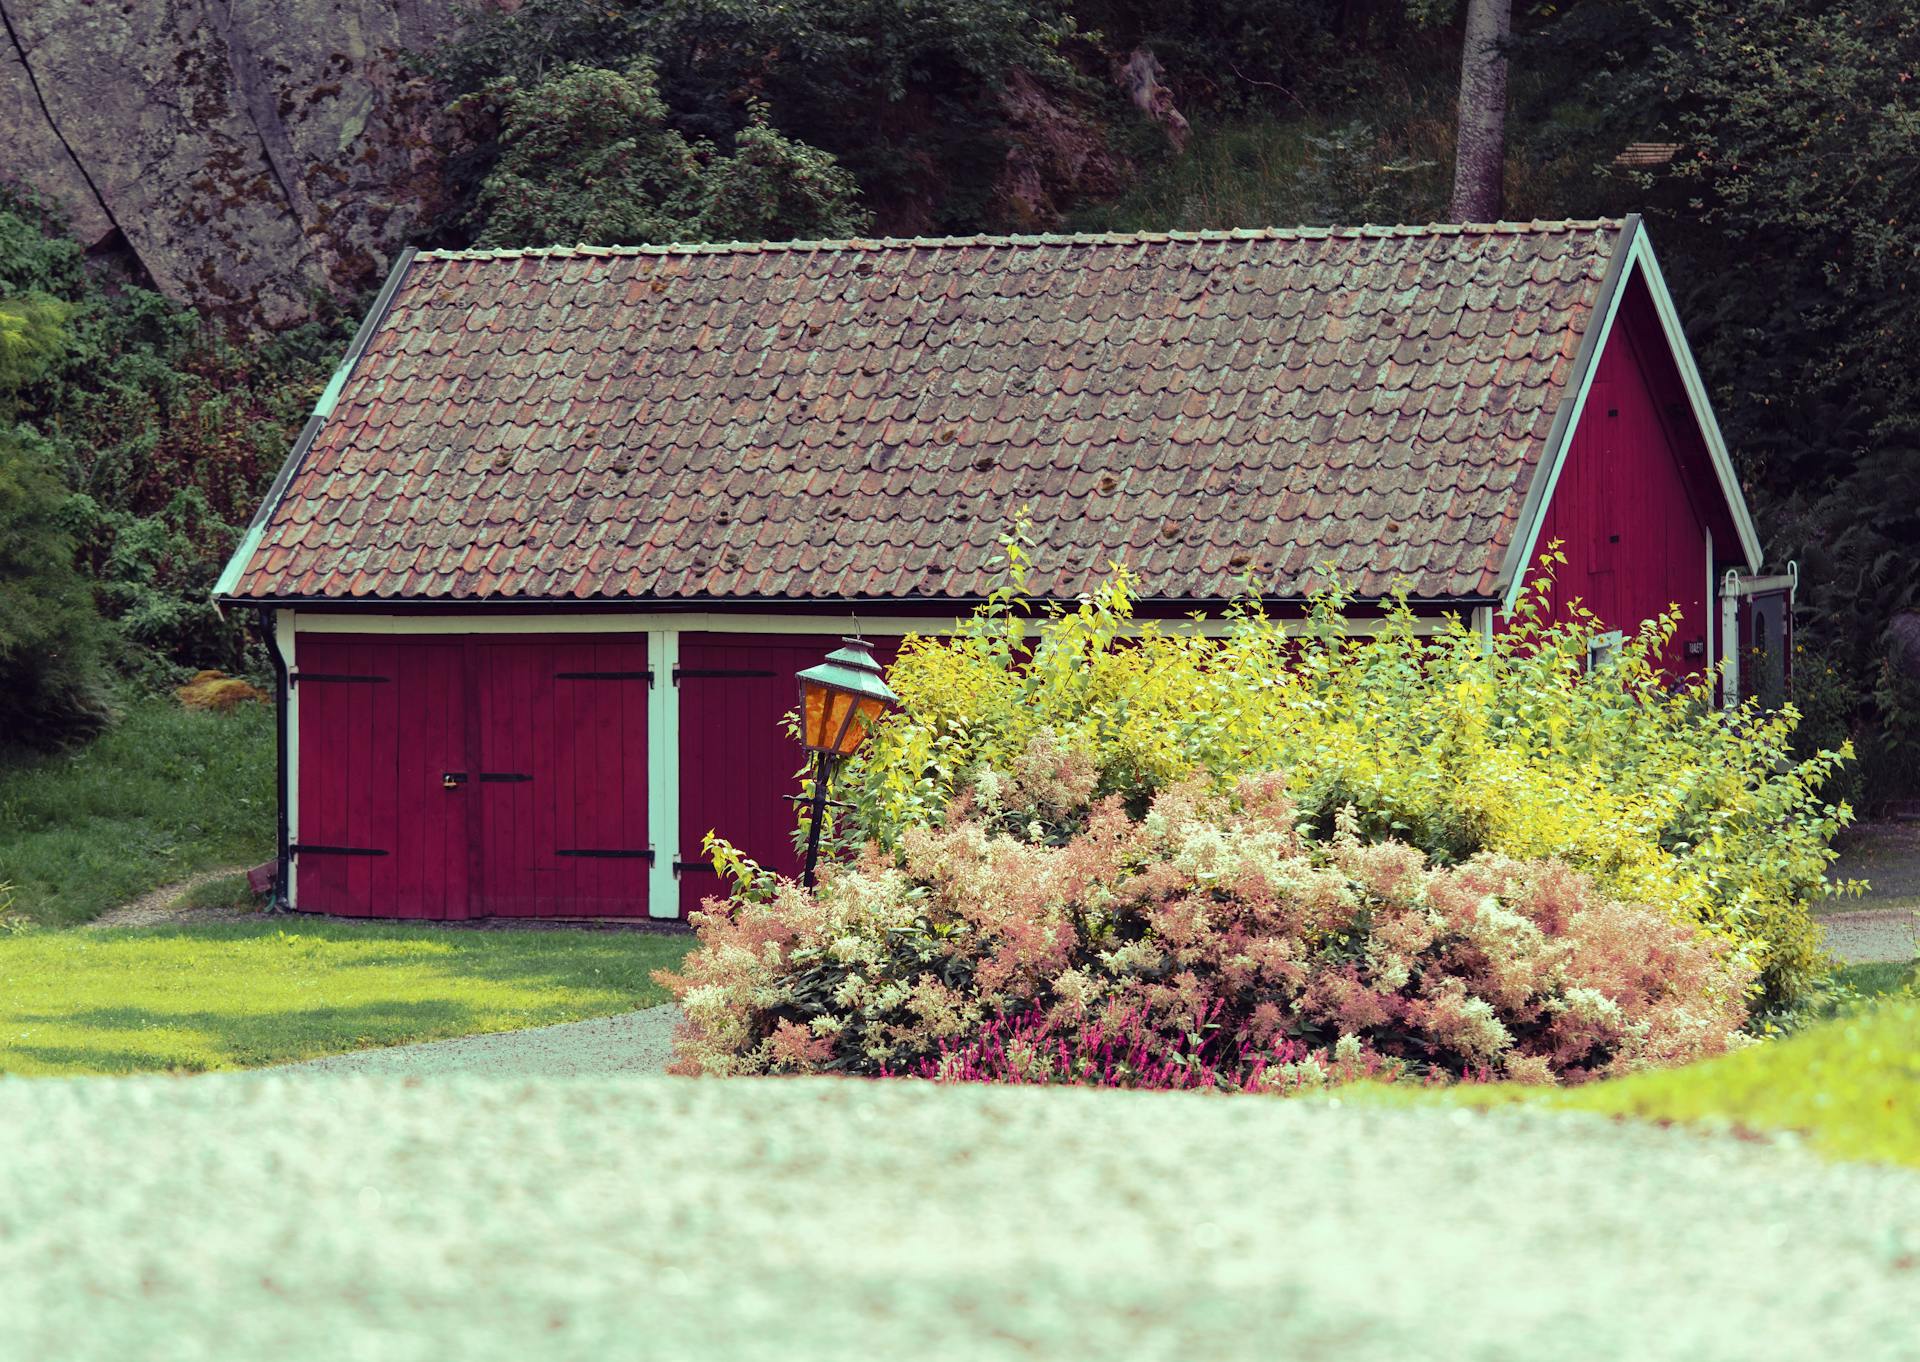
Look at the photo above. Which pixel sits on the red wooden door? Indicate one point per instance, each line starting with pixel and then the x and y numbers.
pixel 562 787
pixel 739 768
pixel 472 777
pixel 382 722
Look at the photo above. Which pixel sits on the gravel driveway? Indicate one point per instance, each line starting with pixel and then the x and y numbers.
pixel 402 1220
pixel 631 1043
pixel 1886 934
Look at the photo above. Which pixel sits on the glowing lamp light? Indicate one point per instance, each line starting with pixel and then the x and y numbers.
pixel 840 697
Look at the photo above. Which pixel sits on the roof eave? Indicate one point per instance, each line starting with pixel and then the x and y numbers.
pixel 229 580
pixel 796 604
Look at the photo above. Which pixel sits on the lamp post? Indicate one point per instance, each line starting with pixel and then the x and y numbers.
pixel 838 699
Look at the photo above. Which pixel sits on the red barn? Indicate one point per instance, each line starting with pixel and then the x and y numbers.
pixel 544 561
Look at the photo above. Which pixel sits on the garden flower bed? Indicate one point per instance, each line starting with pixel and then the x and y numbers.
pixel 1097 851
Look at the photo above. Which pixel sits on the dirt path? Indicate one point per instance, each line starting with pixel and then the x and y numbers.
pixel 156 906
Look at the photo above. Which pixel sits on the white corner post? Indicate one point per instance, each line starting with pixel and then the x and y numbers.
pixel 1706 607
pixel 1482 621
pixel 283 635
pixel 663 773
pixel 1730 639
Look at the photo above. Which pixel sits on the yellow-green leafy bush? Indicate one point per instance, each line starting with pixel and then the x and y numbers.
pixel 1446 740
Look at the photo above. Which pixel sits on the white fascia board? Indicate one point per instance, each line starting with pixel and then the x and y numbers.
pixel 1639 259
pixel 1697 399
pixel 1560 441
pixel 698 622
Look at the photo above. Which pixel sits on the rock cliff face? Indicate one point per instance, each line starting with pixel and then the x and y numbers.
pixel 251 154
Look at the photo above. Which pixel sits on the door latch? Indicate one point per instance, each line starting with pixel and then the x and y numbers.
pixel 453 779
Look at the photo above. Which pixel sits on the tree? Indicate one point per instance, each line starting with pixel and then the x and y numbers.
pixel 905 95
pixel 49 631
pixel 1479 167
pixel 32 335
pixel 1787 222
pixel 587 156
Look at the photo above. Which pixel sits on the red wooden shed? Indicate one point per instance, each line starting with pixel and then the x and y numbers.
pixel 563 526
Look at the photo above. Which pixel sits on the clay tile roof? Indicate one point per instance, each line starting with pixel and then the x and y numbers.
pixel 863 419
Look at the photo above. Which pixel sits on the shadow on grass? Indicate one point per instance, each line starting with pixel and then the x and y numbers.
pixel 544 958
pixel 193 1041
pixel 190 997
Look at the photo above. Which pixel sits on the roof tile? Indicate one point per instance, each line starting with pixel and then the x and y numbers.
pixel 800 419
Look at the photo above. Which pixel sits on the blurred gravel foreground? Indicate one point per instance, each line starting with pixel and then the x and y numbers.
pixel 360 1219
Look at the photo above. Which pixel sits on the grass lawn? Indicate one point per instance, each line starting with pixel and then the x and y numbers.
pixel 1849 1085
pixel 164 793
pixel 236 995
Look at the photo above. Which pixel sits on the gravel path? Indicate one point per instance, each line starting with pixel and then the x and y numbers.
pixel 401 1220
pixel 631 1043
pixel 1864 936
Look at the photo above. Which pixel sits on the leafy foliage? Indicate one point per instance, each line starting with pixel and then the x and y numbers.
pixel 49 635
pixel 587 156
pixel 153 438
pixel 1446 741
pixel 902 94
pixel 32 334
pixel 51 679
pixel 1204 943
pixel 1787 225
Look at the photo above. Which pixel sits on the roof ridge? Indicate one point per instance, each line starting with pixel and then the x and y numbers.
pixel 1138 238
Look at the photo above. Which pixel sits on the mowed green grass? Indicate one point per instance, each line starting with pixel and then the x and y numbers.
pixel 162 794
pixel 238 995
pixel 1849 1086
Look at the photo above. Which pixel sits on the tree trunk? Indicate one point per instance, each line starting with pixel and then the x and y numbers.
pixel 1481 153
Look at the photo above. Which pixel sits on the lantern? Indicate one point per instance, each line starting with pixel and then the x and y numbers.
pixel 838 699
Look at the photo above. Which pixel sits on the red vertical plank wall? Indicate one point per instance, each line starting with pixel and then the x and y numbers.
pixel 1634 539
pixel 739 769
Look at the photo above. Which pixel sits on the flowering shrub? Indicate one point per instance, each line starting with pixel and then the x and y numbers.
pixel 1129 1050
pixel 1445 741
pixel 1202 941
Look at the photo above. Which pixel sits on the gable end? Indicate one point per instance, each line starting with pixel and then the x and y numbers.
pixel 1633 259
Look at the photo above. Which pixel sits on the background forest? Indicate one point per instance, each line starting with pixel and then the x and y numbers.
pixel 140 420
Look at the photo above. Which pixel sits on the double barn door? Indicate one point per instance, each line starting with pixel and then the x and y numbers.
pixel 472 776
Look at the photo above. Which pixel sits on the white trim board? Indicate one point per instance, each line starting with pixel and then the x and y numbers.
pixel 1639 259
pixel 283 643
pixel 1711 660
pixel 620 622
pixel 663 775
pixel 693 622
